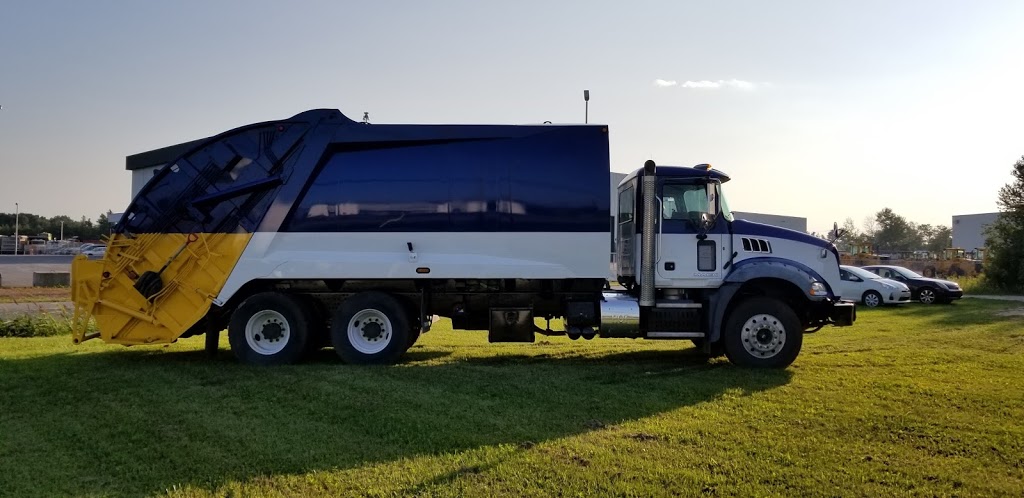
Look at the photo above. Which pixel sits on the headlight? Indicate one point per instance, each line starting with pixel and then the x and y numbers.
pixel 818 289
pixel 953 286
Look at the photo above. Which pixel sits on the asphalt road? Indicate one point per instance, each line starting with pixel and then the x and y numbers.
pixel 16 271
pixel 42 259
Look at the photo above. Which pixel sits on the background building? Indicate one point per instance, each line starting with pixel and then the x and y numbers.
pixel 969 230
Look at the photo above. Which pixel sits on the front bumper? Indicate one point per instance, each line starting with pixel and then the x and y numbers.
pixel 954 294
pixel 843 314
pixel 896 297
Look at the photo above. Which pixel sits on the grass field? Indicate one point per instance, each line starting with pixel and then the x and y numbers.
pixel 911 401
pixel 34 294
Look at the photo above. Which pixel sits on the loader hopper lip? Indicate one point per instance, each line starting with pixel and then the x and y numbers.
pixel 191 270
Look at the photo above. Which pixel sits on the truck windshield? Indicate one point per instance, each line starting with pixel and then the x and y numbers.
pixel 723 204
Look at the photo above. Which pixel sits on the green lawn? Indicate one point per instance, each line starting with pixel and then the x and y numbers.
pixel 911 401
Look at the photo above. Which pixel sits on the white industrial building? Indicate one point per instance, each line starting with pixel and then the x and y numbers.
pixel 969 230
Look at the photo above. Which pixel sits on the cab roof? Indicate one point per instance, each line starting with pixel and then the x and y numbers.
pixel 699 171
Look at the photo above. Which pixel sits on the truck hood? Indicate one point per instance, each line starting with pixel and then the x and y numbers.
pixel 745 227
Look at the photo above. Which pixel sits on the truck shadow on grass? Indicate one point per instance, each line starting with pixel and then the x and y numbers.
pixel 133 422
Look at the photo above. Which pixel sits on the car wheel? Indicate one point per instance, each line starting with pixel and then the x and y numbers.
pixel 926 295
pixel 872 299
pixel 370 328
pixel 763 332
pixel 269 329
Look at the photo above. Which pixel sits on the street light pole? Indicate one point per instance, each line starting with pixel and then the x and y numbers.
pixel 17 241
pixel 586 106
pixel 62 231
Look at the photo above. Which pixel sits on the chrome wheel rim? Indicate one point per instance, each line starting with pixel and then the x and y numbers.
pixel 763 336
pixel 927 296
pixel 370 331
pixel 267 332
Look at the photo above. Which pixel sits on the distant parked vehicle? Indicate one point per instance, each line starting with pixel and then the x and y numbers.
pixel 95 252
pixel 84 247
pixel 862 286
pixel 924 289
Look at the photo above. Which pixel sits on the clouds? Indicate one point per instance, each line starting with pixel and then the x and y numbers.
pixel 707 84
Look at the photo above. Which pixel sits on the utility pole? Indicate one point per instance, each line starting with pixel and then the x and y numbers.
pixel 62 231
pixel 17 241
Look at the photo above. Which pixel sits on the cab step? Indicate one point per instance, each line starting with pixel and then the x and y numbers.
pixel 675 335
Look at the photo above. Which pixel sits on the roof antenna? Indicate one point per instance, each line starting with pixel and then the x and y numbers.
pixel 366 117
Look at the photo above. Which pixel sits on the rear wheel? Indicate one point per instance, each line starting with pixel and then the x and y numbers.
pixel 269 329
pixel 370 328
pixel 762 332
pixel 872 299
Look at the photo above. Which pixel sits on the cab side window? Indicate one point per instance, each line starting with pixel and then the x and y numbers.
pixel 684 202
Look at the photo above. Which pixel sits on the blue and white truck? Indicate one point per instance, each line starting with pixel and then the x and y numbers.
pixel 317 230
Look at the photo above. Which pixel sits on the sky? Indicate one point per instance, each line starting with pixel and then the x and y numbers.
pixel 825 110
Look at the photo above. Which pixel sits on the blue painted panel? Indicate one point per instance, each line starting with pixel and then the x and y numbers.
pixel 220 186
pixel 746 264
pixel 553 180
pixel 338 175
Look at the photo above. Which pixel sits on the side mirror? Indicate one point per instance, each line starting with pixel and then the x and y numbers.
pixel 707 220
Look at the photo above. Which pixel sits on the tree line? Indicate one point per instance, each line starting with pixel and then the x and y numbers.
pixel 887 232
pixel 33 224
pixel 1005 237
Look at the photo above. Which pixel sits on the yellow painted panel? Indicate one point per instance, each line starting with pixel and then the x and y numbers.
pixel 103 290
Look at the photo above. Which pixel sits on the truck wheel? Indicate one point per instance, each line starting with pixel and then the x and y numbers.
pixel 763 332
pixel 872 299
pixel 269 329
pixel 414 336
pixel 370 328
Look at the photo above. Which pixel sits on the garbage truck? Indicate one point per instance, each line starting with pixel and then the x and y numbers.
pixel 319 231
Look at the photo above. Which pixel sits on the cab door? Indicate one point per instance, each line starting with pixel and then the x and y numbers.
pixel 683 259
pixel 626 248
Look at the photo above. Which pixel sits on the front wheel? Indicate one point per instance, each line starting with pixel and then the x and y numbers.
pixel 763 332
pixel 926 295
pixel 872 299
pixel 370 328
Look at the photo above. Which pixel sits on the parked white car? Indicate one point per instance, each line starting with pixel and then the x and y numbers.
pixel 95 252
pixel 859 285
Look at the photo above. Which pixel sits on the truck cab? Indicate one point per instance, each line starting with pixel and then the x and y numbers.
pixel 747 289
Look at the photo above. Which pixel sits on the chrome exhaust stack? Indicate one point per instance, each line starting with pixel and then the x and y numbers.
pixel 647 241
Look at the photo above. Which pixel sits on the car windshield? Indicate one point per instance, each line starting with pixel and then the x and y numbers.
pixel 862 273
pixel 907 272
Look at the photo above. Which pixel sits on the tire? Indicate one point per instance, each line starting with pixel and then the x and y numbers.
pixel 872 299
pixel 269 329
pixel 762 332
pixel 414 335
pixel 370 329
pixel 926 295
